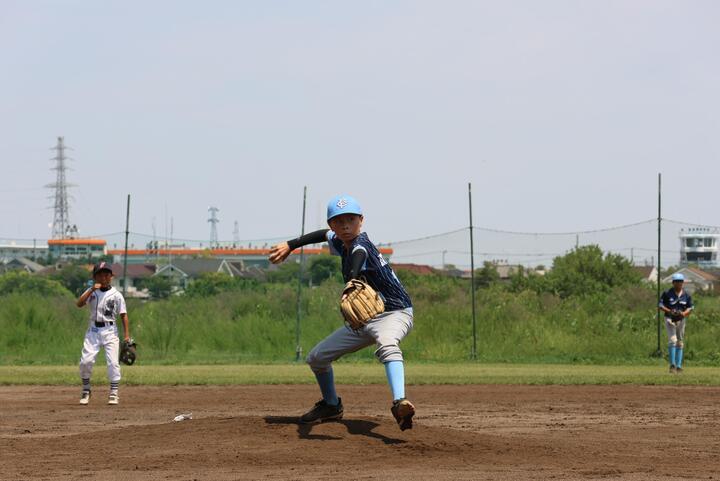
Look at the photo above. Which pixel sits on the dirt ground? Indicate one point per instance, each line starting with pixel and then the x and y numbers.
pixel 461 433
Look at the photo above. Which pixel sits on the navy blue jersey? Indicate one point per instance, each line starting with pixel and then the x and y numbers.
pixel 671 300
pixel 376 270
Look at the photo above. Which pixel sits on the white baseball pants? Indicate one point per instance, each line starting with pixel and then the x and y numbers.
pixel 96 338
pixel 385 331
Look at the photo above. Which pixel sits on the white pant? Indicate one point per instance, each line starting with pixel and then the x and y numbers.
pixel 95 338
pixel 385 331
pixel 675 331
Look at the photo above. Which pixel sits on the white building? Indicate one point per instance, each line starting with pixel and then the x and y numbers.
pixel 17 251
pixel 699 245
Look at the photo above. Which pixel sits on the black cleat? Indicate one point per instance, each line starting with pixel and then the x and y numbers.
pixel 322 412
pixel 673 369
pixel 403 411
pixel 678 370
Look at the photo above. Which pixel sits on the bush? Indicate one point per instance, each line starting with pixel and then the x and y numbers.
pixel 23 283
pixel 214 283
pixel 585 271
pixel 73 277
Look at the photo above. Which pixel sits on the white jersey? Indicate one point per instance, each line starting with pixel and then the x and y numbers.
pixel 106 306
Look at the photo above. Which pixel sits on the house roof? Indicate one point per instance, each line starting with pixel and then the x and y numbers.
pixel 705 275
pixel 693 273
pixel 197 267
pixel 414 268
pixel 644 271
pixel 134 270
pixel 24 262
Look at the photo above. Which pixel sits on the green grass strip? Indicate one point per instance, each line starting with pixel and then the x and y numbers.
pixel 370 373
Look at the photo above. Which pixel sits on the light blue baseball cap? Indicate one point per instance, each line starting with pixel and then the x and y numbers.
pixel 343 204
pixel 678 277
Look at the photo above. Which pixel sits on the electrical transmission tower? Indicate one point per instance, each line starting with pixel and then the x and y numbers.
pixel 61 227
pixel 236 233
pixel 213 226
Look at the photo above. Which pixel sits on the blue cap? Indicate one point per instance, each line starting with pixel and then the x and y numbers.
pixel 678 277
pixel 343 204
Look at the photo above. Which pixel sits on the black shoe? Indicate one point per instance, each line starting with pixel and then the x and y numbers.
pixel 323 412
pixel 403 411
pixel 678 370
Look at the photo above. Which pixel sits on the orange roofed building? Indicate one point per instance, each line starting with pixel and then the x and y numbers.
pixel 77 248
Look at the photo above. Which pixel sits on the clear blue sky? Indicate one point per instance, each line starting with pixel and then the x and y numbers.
pixel 561 113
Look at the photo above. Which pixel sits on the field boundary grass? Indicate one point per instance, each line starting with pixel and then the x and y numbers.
pixel 366 373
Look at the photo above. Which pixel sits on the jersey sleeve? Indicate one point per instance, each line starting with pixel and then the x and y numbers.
pixel 122 308
pixel 690 304
pixel 310 238
pixel 358 261
pixel 334 243
pixel 664 300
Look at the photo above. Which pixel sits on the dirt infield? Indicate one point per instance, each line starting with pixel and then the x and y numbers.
pixel 462 432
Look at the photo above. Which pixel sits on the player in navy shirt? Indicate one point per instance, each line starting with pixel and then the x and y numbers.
pixel 360 259
pixel 375 269
pixel 677 306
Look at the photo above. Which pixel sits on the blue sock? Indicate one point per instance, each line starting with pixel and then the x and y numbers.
pixel 326 380
pixel 671 353
pixel 395 371
pixel 678 357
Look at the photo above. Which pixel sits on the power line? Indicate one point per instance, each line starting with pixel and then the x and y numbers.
pixel 592 231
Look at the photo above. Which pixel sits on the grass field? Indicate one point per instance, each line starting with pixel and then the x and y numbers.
pixel 370 373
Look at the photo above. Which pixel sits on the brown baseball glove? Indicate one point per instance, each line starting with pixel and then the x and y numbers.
pixel 360 303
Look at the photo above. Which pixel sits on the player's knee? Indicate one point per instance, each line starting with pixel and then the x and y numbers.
pixel 679 344
pixel 85 369
pixel 387 352
pixel 673 340
pixel 316 362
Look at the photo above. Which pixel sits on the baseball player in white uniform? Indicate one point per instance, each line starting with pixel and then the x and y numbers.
pixel 106 304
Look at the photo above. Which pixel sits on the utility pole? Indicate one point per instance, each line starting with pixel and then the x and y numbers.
pixel 298 347
pixel 658 352
pixel 473 352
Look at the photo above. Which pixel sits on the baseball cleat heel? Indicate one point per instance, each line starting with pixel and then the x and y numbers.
pixel 113 399
pixel 673 369
pixel 403 411
pixel 323 412
pixel 85 398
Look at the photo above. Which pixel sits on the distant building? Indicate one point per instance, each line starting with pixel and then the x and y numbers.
pixel 136 273
pixel 20 264
pixel 419 269
pixel 700 245
pixel 647 273
pixel 77 248
pixel 696 279
pixel 15 251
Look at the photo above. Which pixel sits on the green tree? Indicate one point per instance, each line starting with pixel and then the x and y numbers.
pixel 585 270
pixel 159 287
pixel 212 283
pixel 23 283
pixel 486 275
pixel 73 277
pixel 323 267
pixel 286 272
